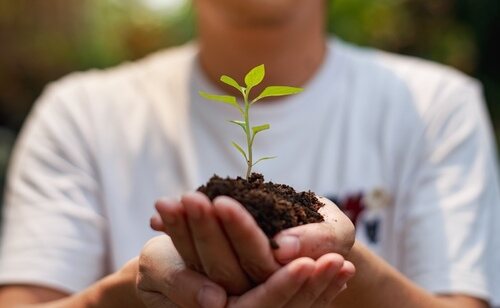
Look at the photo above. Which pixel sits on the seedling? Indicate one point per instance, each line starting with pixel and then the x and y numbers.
pixel 253 78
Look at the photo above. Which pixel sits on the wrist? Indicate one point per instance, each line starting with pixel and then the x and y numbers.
pixel 115 290
pixel 365 262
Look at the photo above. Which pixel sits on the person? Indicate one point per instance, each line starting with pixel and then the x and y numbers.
pixel 404 144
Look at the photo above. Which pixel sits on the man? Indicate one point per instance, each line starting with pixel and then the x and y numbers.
pixel 100 147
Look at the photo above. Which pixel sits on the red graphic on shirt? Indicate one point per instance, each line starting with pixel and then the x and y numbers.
pixel 353 206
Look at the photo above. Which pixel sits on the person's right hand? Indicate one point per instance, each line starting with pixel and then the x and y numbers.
pixel 165 281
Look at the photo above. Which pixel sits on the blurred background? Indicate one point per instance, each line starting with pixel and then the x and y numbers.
pixel 40 41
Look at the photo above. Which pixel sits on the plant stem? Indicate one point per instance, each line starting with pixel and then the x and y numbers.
pixel 248 133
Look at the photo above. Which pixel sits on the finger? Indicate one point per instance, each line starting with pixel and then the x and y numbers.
pixel 279 288
pixel 336 286
pixel 248 241
pixel 155 300
pixel 335 235
pixel 330 211
pixel 175 225
pixel 212 246
pixel 164 279
pixel 348 269
pixel 327 267
pixel 156 223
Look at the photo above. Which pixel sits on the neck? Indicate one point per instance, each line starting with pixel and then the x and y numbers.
pixel 292 50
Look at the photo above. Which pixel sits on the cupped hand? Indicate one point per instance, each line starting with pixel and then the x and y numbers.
pixel 164 280
pixel 335 235
pixel 223 241
pixel 219 239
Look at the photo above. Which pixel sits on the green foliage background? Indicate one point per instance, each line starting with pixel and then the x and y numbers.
pixel 41 41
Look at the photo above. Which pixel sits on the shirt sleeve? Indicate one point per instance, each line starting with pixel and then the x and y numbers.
pixel 53 231
pixel 450 236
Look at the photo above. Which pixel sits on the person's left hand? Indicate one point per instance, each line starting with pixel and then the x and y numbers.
pixel 165 281
pixel 223 240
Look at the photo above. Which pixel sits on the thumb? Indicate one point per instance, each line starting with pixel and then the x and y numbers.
pixel 311 240
pixel 335 235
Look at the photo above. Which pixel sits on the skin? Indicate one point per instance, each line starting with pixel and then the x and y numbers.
pixel 233 36
pixel 237 35
pixel 375 288
pixel 115 290
pixel 206 233
pixel 301 283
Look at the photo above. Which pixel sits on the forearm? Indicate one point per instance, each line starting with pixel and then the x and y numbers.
pixel 377 284
pixel 112 291
pixel 116 290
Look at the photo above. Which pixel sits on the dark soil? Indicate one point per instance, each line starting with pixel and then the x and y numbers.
pixel 274 206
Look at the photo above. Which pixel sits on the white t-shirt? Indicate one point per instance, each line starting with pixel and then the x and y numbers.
pixel 101 147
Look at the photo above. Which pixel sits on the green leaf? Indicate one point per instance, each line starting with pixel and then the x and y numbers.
pixel 240 150
pixel 278 91
pixel 226 99
pixel 264 158
pixel 260 128
pixel 239 123
pixel 255 76
pixel 230 81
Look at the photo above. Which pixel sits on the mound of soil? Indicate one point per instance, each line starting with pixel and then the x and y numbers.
pixel 274 206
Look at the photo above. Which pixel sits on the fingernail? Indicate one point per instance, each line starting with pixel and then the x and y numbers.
pixel 192 206
pixel 155 222
pixel 225 207
pixel 289 247
pixel 209 296
pixel 162 206
pixel 344 287
pixel 342 280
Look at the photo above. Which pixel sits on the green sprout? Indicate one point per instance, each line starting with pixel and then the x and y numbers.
pixel 253 78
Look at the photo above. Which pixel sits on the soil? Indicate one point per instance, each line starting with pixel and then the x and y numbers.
pixel 275 207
